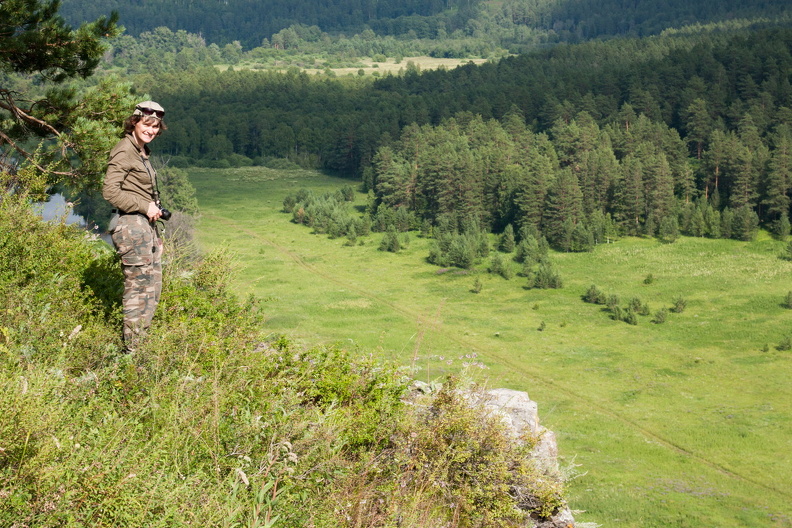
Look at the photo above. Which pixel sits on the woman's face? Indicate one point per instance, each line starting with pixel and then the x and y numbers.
pixel 146 130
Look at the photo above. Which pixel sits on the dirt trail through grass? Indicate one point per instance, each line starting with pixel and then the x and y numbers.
pixel 425 321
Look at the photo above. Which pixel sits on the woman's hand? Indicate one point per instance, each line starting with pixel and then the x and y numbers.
pixel 153 212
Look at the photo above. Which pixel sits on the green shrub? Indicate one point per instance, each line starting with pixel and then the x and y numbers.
pixel 594 295
pixel 546 277
pixel 679 304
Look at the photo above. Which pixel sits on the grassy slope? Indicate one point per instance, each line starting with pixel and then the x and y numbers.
pixel 687 423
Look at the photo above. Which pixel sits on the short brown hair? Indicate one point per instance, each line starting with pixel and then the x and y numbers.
pixel 131 121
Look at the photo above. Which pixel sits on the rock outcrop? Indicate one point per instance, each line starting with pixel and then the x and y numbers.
pixel 521 415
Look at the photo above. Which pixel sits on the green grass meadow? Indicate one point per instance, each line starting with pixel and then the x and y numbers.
pixel 686 423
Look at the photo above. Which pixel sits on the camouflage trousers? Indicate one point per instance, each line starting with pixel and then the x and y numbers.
pixel 140 248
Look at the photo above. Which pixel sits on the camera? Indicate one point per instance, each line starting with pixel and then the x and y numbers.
pixel 164 213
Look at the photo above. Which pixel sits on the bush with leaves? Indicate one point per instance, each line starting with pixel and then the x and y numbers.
pixel 787 253
pixel 546 277
pixel 594 295
pixel 679 304
pixel 638 306
pixel 660 316
pixel 501 266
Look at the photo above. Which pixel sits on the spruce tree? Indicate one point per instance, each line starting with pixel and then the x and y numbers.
pixel 507 240
pixel 564 207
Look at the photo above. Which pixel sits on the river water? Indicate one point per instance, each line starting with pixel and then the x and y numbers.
pixel 58 208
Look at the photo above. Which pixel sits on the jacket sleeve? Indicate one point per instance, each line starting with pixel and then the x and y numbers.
pixel 118 167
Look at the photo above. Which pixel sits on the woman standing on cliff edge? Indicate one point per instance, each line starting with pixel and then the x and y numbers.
pixel 130 185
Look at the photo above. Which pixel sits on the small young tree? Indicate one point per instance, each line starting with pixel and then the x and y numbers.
pixel 787 254
pixel 668 231
pixel 781 227
pixel 390 242
pixel 788 301
pixel 612 302
pixel 594 295
pixel 547 277
pixel 630 317
pixel 507 240
pixel 660 316
pixel 679 305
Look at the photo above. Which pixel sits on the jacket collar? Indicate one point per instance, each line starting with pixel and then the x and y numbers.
pixel 145 151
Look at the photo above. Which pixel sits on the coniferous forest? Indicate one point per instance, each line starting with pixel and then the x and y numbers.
pixel 686 132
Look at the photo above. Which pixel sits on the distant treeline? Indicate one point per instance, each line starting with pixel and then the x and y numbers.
pixel 252 21
pixel 512 24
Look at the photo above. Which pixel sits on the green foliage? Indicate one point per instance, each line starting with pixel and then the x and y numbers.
pixel 462 250
pixel 594 295
pixel 35 39
pixel 679 304
pixel 668 230
pixel 507 240
pixel 781 227
pixel 787 253
pixel 56 283
pixel 629 316
pixel 649 279
pixel 239 428
pixel 475 464
pixel 660 316
pixel 70 133
pixel 330 213
pixel 788 301
pixel 637 306
pixel 391 241
pixel 547 276
pixel 631 370
pixel 176 192
pixel 501 266
pixel 612 302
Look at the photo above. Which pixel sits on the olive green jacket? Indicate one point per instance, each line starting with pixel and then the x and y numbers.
pixel 130 182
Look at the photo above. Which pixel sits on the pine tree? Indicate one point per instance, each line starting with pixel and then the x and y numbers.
pixel 715 162
pixel 698 124
pixel 74 136
pixel 778 182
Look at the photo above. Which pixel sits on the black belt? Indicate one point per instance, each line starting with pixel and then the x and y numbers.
pixel 122 213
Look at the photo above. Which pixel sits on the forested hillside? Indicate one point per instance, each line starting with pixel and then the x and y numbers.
pixel 513 23
pixel 680 117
